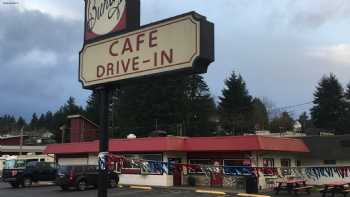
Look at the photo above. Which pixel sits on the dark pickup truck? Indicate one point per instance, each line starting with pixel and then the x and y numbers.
pixel 25 174
pixel 82 177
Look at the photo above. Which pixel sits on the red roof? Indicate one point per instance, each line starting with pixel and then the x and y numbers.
pixel 183 144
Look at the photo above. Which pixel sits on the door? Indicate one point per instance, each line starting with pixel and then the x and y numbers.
pixel 217 175
pixel 175 171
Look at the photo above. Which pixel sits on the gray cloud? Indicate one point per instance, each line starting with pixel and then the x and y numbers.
pixel 38 72
pixel 269 44
pixel 316 13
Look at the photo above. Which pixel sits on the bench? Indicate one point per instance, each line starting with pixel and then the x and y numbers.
pixel 324 190
pixel 251 195
pixel 306 188
pixel 281 188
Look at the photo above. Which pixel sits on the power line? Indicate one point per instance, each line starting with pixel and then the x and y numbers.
pixel 291 106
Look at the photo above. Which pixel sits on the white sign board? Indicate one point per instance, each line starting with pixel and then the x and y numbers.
pixel 166 46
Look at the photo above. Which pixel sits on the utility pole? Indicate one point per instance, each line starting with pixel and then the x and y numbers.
pixel 21 142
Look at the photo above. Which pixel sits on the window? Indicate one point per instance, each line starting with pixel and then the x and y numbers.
pixel 330 162
pixel 298 163
pixel 285 166
pixel 142 164
pixel 234 162
pixel 236 167
pixel 200 162
pixel 268 162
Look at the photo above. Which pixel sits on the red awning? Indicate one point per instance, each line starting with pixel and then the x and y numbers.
pixel 182 144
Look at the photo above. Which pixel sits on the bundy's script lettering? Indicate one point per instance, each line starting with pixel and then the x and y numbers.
pixel 97 9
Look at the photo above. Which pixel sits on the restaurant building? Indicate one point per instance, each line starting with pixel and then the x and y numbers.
pixel 255 151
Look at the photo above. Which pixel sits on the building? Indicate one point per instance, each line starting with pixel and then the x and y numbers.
pixel 11 145
pixel 288 134
pixel 12 140
pixel 329 153
pixel 256 151
pixel 82 129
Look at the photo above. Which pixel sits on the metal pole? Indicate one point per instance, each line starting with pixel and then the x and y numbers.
pixel 21 142
pixel 104 138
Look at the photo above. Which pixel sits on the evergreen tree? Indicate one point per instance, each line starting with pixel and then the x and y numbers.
pixel 91 109
pixel 176 104
pixel 34 122
pixel 235 106
pixel 329 110
pixel 42 122
pixel 304 121
pixel 49 121
pixel 200 107
pixel 71 108
pixel 260 115
pixel 347 92
pixel 347 109
pixel 60 116
pixel 21 123
pixel 282 123
pixel 8 124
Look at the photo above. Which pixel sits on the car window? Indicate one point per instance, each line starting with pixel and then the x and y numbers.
pixel 31 164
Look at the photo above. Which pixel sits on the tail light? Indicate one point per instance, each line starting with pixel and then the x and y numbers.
pixel 14 172
pixel 71 174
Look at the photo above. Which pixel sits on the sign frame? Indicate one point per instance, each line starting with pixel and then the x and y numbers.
pixel 132 20
pixel 200 64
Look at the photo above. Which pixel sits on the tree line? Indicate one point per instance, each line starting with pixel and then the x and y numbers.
pixel 183 105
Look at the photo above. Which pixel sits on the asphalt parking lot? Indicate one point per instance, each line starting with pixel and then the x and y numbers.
pixel 54 191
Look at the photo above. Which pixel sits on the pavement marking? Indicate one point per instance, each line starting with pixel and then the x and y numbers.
pixel 127 193
pixel 140 187
pixel 251 195
pixel 210 192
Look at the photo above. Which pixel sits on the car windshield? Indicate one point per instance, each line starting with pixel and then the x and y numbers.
pixel 14 164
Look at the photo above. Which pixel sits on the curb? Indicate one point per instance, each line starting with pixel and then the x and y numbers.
pixel 140 187
pixel 210 192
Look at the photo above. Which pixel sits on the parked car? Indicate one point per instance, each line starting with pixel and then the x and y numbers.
pixel 81 177
pixel 19 173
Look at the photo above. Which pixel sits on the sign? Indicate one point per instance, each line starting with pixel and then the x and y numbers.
pixel 182 43
pixel 104 17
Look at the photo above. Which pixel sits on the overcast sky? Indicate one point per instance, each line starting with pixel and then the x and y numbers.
pixel 281 48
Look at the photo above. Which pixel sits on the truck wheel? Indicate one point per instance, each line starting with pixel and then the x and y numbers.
pixel 81 186
pixel 14 184
pixel 27 182
pixel 113 182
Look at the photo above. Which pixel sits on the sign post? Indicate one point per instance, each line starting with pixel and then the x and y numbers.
pixel 102 159
pixel 117 50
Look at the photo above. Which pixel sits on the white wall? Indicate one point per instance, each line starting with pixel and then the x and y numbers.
pixel 73 161
pixel 132 179
pixel 149 180
pixel 92 159
pixel 1 165
pixel 308 162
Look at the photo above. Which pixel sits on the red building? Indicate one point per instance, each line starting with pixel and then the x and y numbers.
pixel 12 140
pixel 220 151
pixel 82 129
